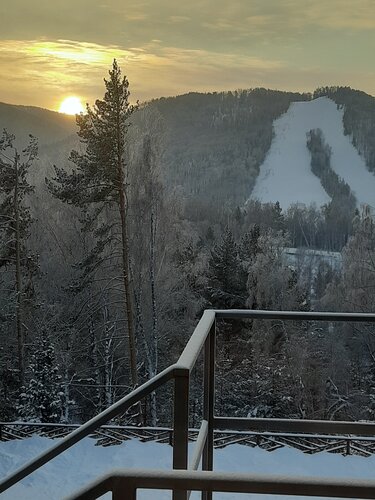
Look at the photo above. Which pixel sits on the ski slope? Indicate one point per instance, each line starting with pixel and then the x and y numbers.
pixel 286 175
pixel 85 462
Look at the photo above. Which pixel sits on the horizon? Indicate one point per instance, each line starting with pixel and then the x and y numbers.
pixel 208 92
pixel 50 52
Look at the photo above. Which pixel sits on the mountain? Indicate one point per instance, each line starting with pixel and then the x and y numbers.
pixel 222 148
pixel 216 143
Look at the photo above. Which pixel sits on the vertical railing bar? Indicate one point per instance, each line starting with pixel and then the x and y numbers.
pixel 199 446
pixel 206 389
pixel 209 403
pixel 181 426
pixel 124 490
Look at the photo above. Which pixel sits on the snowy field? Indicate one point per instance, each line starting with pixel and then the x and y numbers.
pixel 85 462
pixel 286 175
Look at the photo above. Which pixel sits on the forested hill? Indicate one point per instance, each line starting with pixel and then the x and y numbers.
pixel 48 126
pixel 214 143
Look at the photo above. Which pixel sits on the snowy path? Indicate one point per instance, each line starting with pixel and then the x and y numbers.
pixel 286 176
pixel 85 462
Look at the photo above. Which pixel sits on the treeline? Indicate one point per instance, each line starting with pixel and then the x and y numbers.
pixel 326 228
pixel 287 369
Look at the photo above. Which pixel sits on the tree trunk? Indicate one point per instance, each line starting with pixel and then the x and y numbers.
pixel 148 349
pixel 128 301
pixel 154 340
pixel 19 326
pixel 125 251
pixel 95 364
pixel 126 261
pixel 108 365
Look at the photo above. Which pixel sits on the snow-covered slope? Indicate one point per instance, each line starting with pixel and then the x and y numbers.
pixel 286 176
pixel 85 462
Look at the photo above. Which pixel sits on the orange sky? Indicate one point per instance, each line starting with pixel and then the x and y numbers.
pixel 50 50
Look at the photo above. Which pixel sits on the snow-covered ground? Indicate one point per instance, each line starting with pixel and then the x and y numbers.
pixel 286 175
pixel 85 462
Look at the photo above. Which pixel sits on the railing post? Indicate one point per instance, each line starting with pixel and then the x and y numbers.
pixel 124 489
pixel 181 425
pixel 348 452
pixel 209 403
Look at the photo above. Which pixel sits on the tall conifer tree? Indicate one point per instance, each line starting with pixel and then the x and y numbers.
pixel 99 185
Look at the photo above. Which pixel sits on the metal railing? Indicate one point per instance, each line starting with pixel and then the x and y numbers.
pixel 204 339
pixel 124 484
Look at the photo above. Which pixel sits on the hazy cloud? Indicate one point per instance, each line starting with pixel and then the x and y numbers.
pixel 167 47
pixel 57 68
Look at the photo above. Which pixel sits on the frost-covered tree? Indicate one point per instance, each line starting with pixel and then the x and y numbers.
pixel 261 375
pixel 42 397
pixel 225 286
pixel 271 283
pixel 15 224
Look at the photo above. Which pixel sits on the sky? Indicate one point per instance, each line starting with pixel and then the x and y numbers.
pixel 51 49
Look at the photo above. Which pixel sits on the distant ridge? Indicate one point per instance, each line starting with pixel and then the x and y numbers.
pixel 48 126
pixel 215 143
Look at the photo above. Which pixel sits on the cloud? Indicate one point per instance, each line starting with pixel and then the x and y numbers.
pixel 179 19
pixel 291 19
pixel 340 14
pixel 54 69
pixel 50 49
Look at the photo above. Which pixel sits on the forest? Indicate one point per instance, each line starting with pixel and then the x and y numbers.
pixel 110 253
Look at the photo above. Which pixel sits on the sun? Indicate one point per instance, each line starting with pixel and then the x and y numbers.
pixel 71 106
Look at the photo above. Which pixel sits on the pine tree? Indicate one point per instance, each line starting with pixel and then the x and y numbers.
pixel 15 223
pixel 99 186
pixel 225 287
pixel 249 245
pixel 42 397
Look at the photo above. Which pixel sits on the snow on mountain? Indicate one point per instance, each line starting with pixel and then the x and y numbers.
pixel 286 175
pixel 85 462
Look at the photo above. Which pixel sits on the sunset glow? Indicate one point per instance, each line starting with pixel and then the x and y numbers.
pixel 71 106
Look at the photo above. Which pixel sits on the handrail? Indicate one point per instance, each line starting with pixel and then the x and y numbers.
pixel 298 425
pixel 196 342
pixel 293 315
pixel 124 484
pixel 86 429
pixel 184 364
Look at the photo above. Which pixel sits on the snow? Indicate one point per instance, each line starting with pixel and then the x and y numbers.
pixel 311 258
pixel 286 175
pixel 85 462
